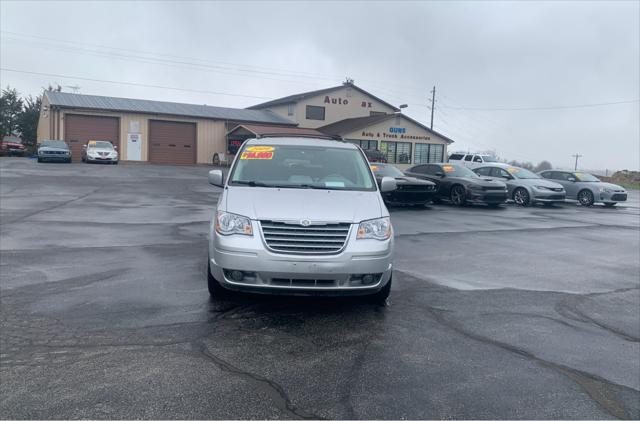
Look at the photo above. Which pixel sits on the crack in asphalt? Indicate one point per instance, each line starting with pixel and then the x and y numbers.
pixel 596 387
pixel 270 387
pixel 568 308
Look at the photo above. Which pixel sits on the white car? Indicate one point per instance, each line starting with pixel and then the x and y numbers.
pixel 471 160
pixel 99 151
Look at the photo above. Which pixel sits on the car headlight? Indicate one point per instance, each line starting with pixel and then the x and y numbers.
pixel 542 187
pixel 604 189
pixel 378 229
pixel 230 223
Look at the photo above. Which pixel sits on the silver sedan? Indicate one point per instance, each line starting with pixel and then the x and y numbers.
pixel 525 187
pixel 586 188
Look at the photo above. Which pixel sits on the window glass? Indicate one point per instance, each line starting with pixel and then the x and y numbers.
pixel 315 113
pixel 436 153
pixel 422 153
pixel 468 157
pixel 294 166
pixel 477 158
pixel 433 169
pixel 583 176
pixel 372 113
pixel 397 152
pixel 290 109
pixel 456 157
pixel 419 169
pixel 548 174
pixel 484 171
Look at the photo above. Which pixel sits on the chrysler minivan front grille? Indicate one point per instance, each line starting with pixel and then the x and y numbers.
pixel 291 238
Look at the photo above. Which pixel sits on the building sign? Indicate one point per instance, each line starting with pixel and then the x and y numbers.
pixel 395 135
pixel 234 141
pixel 340 101
pixel 397 130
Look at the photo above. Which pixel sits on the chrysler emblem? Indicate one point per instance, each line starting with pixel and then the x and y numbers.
pixel 305 222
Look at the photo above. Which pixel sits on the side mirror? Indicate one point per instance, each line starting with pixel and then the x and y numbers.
pixel 84 146
pixel 215 178
pixel 439 174
pixel 387 184
pixel 573 180
pixel 115 147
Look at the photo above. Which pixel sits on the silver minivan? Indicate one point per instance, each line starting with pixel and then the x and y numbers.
pixel 301 216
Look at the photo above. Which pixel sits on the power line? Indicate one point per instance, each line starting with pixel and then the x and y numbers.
pixel 131 83
pixel 553 107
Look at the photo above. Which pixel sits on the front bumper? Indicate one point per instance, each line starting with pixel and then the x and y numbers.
pixel 486 196
pixel 548 197
pixel 101 159
pixel 54 157
pixel 408 197
pixel 612 197
pixel 294 274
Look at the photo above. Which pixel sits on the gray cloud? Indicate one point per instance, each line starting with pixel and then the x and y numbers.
pixel 479 54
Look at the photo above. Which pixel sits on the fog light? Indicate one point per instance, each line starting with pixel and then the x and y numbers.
pixel 237 276
pixel 367 279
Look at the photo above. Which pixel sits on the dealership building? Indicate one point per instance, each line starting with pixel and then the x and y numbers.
pixel 174 133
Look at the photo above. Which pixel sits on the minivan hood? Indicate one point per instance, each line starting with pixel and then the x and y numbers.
pixel 282 204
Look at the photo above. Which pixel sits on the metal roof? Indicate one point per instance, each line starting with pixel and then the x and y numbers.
pixel 299 97
pixel 94 102
pixel 264 131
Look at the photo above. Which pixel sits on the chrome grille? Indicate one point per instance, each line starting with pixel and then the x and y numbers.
pixel 282 237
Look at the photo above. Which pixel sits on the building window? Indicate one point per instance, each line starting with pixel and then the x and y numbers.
pixel 428 152
pixel 364 144
pixel 397 152
pixel 372 113
pixel 290 108
pixel 315 113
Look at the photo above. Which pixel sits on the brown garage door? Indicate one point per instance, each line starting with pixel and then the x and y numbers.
pixel 172 142
pixel 79 129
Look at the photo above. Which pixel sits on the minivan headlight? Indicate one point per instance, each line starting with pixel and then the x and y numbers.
pixel 378 229
pixel 230 223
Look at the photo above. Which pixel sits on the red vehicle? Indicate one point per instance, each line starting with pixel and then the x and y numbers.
pixel 11 145
pixel 374 155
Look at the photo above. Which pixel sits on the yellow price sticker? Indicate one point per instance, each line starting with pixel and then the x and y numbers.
pixel 448 168
pixel 260 149
pixel 257 155
pixel 513 170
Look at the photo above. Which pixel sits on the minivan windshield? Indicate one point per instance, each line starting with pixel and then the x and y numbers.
pixel 295 166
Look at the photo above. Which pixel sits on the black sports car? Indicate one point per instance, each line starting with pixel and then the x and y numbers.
pixel 409 191
pixel 460 185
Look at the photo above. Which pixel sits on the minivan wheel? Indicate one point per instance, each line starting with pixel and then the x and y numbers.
pixel 458 195
pixel 215 289
pixel 585 197
pixel 521 197
pixel 381 296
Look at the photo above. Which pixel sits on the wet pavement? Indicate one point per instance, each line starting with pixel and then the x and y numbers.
pixel 494 313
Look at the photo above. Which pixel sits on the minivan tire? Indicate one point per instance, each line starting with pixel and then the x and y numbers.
pixel 381 296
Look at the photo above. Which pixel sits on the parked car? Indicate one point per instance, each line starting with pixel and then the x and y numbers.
pixel 301 216
pixel 524 187
pixel 99 151
pixel 409 190
pixel 586 188
pixel 374 155
pixel 54 151
pixel 460 185
pixel 471 160
pixel 11 145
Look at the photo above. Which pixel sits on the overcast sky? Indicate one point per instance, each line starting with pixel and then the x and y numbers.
pixel 479 55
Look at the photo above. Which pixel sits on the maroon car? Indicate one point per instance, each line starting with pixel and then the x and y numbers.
pixel 11 145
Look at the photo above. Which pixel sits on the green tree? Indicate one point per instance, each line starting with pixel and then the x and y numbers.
pixel 10 109
pixel 28 122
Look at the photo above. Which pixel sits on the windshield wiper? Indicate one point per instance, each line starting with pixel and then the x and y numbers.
pixel 252 183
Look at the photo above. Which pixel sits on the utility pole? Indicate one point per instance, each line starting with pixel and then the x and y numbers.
pixel 433 104
pixel 576 156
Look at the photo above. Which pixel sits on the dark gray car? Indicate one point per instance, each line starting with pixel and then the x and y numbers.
pixel 525 187
pixel 586 188
pixel 54 150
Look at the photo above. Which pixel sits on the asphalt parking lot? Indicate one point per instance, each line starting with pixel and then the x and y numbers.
pixel 494 313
